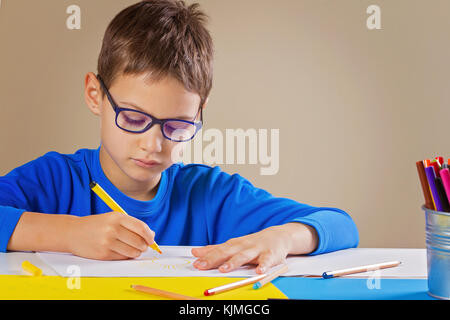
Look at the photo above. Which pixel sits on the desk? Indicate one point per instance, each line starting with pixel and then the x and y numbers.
pixel 353 289
pixel 14 284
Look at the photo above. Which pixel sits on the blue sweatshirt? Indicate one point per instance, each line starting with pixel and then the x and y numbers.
pixel 195 204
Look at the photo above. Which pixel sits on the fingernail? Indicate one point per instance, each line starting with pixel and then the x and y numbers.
pixel 225 266
pixel 262 269
pixel 202 264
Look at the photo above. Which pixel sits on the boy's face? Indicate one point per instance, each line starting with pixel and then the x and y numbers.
pixel 121 152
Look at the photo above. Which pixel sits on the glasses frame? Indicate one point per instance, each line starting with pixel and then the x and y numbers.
pixel 154 120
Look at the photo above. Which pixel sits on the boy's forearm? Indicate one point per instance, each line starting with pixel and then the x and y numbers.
pixel 41 232
pixel 303 238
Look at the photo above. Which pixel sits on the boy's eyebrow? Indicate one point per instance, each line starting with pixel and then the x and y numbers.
pixel 140 109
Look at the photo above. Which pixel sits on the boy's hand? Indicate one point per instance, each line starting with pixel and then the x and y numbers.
pixel 266 248
pixel 109 236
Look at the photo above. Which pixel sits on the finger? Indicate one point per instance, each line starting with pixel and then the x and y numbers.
pixel 132 239
pixel 216 257
pixel 112 255
pixel 139 227
pixel 125 250
pixel 200 252
pixel 238 260
pixel 266 260
pixel 108 255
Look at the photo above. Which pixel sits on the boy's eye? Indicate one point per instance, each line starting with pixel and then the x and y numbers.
pixel 179 130
pixel 132 120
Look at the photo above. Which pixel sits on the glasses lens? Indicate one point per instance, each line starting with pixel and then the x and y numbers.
pixel 179 130
pixel 132 121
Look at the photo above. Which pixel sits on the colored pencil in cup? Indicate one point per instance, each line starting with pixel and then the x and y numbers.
pixel 436 167
pixel 360 269
pixel 270 277
pixel 429 171
pixel 425 187
pixel 445 176
pixel 162 293
pixel 234 285
pixel 114 206
pixel 442 195
pixel 440 160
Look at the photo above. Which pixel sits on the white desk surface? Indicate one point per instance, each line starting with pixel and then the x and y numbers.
pixel 414 263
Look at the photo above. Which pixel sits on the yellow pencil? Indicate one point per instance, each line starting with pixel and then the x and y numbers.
pixel 31 268
pixel 114 206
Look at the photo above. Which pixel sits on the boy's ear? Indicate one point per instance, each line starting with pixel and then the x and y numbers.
pixel 205 103
pixel 92 93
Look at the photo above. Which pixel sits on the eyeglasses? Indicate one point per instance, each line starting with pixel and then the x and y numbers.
pixel 136 121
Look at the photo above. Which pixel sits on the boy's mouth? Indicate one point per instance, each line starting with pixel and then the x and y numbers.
pixel 146 163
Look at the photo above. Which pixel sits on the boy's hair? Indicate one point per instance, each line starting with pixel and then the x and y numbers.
pixel 160 38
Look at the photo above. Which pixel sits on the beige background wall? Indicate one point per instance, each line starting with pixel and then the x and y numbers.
pixel 355 107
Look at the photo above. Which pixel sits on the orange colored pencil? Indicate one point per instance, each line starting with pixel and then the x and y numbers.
pixel 162 293
pixel 372 267
pixel 429 203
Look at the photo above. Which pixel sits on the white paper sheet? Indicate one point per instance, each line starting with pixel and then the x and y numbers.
pixel 413 262
pixel 177 262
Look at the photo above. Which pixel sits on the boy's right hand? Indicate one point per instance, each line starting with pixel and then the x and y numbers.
pixel 109 236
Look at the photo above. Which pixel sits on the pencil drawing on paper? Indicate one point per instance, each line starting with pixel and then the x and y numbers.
pixel 166 263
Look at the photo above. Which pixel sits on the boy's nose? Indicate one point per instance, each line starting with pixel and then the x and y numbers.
pixel 151 140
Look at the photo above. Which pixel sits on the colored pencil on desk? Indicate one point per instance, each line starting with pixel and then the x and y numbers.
pixel 270 277
pixel 31 268
pixel 429 171
pixel 371 267
pixel 425 187
pixel 162 293
pixel 234 285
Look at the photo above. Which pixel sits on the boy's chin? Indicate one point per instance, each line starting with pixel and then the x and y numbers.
pixel 145 174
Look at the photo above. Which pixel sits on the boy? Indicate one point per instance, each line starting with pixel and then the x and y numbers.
pixel 154 78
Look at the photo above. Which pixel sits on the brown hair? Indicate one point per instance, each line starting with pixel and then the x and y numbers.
pixel 161 38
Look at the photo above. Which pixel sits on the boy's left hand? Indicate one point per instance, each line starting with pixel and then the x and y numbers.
pixel 265 248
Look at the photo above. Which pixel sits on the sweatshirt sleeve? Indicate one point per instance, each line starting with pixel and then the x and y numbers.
pixel 235 208
pixel 30 187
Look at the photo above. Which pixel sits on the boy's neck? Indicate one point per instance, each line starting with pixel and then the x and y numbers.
pixel 143 196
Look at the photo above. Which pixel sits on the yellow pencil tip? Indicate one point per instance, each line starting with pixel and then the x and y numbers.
pixel 155 247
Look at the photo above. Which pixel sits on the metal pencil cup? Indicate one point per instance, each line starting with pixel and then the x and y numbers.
pixel 438 252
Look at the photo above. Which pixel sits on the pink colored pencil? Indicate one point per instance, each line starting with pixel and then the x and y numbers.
pixel 445 176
